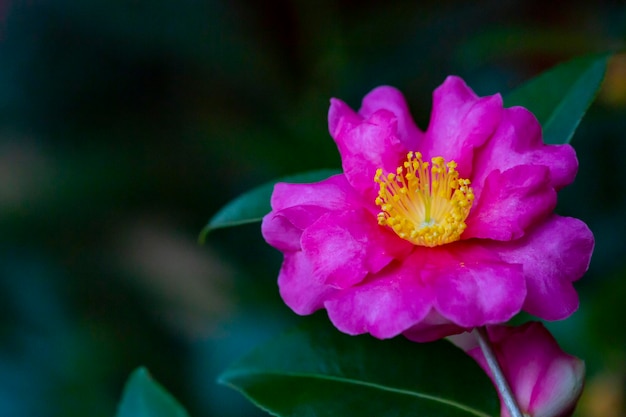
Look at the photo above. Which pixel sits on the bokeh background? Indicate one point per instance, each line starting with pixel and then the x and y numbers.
pixel 125 124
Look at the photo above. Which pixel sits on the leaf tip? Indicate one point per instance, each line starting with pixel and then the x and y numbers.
pixel 203 234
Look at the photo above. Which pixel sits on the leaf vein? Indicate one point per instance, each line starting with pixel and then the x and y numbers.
pixel 353 381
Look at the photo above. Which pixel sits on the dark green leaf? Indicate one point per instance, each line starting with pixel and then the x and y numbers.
pixel 315 370
pixel 144 397
pixel 560 96
pixel 252 205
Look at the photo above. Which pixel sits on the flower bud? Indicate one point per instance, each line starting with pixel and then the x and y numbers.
pixel 545 381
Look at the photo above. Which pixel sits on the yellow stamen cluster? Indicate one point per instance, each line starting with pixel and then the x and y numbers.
pixel 426 206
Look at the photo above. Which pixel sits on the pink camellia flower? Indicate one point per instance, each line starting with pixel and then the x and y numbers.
pixel 545 381
pixel 431 233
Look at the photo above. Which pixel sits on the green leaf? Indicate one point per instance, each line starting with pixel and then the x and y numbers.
pixel 315 370
pixel 252 205
pixel 560 97
pixel 144 397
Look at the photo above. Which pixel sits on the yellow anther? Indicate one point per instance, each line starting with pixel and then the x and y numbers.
pixel 427 207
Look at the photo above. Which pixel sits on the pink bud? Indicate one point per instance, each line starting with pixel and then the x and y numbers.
pixel 545 381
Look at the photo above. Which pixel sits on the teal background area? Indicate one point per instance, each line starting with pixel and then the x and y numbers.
pixel 125 125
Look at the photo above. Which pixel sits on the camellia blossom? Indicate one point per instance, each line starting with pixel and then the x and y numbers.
pixel 429 233
pixel 545 381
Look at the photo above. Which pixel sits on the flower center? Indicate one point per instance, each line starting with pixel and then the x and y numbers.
pixel 427 207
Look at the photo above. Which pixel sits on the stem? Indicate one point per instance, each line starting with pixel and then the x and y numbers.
pixel 498 377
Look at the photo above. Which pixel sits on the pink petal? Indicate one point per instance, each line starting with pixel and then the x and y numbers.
pixel 518 142
pixel 523 355
pixel 298 287
pixel 472 286
pixel 333 193
pixel 365 145
pixel 387 304
pixel 510 202
pixel 433 327
pixel 343 247
pixel 279 232
pixel 341 117
pixel 561 385
pixel 553 255
pixel 391 99
pixel 297 206
pixel 459 123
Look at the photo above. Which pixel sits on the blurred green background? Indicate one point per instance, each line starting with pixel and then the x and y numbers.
pixel 124 125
